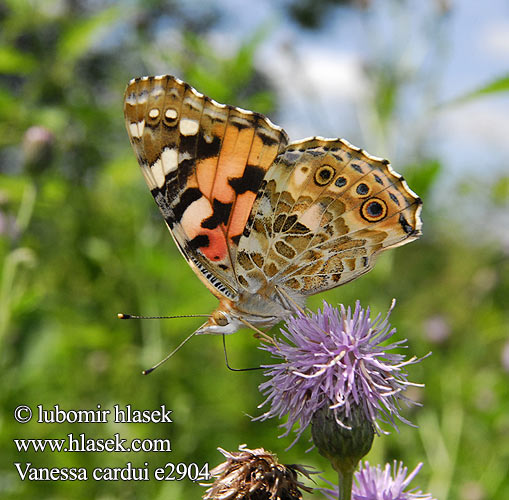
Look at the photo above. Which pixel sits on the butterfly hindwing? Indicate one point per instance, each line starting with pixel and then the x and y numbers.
pixel 204 162
pixel 324 213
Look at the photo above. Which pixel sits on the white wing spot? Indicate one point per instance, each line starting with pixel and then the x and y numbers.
pixel 218 104
pixel 196 93
pixel 169 160
pixel 136 128
pixel 142 98
pixel 243 111
pixel 131 99
pixel 165 164
pixel 188 126
pixel 153 113
pixel 240 121
pixel 185 155
pixel 171 114
pixel 157 92
pixel 157 172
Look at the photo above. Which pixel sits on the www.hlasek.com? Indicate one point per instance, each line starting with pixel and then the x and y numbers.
pixel 113 444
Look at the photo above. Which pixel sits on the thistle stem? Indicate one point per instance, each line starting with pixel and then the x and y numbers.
pixel 345 481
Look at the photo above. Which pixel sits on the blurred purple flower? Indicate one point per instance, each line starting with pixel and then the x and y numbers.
pixel 505 357
pixel 373 483
pixel 335 358
pixel 38 146
pixel 8 224
pixel 437 329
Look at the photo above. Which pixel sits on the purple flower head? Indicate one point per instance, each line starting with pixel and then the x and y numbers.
pixel 335 358
pixel 373 483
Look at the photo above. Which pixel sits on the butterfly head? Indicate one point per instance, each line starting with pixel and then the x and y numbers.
pixel 220 322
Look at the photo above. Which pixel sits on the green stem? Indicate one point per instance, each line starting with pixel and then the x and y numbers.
pixel 8 293
pixel 345 481
pixel 26 208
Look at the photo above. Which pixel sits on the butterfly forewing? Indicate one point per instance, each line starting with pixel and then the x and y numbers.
pixel 204 162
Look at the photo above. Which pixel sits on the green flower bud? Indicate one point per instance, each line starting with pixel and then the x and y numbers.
pixel 342 444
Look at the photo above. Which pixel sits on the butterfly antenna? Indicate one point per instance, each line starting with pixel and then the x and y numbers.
pixel 150 370
pixel 236 369
pixel 132 316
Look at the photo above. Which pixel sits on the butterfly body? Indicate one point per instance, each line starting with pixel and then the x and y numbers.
pixel 261 310
pixel 264 223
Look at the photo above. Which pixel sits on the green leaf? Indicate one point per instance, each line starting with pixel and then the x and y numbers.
pixel 209 83
pixel 496 86
pixel 13 61
pixel 8 103
pixel 500 190
pixel 80 36
pixel 423 175
pixel 263 102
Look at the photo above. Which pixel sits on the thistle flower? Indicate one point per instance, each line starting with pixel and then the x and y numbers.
pixel 255 475
pixel 38 148
pixel 335 358
pixel 373 483
pixel 9 226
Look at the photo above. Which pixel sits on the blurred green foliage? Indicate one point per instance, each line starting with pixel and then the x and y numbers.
pixel 500 84
pixel 81 239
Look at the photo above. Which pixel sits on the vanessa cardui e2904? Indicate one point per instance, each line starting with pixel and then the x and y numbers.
pixel 263 222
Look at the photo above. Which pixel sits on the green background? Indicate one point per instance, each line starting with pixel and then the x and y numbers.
pixel 81 240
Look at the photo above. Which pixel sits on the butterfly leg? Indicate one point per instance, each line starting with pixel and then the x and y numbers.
pixel 236 369
pixel 259 333
pixel 289 299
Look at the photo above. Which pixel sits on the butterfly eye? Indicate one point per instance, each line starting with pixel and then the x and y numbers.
pixel 220 319
pixel 324 175
pixel 374 209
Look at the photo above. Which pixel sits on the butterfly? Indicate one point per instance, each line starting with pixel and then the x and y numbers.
pixel 262 221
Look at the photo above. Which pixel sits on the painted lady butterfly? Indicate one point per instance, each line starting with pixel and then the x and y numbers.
pixel 263 222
